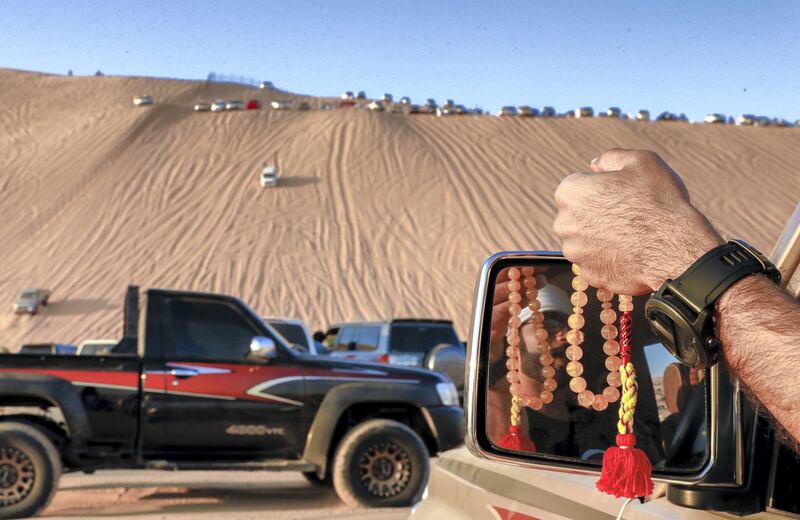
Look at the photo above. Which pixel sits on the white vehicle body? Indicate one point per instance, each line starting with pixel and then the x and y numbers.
pixel 202 106
pixel 96 347
pixel 507 111
pixel 281 105
pixel 718 119
pixel 145 100
pixel 376 106
pixel 268 177
pixel 294 331
pixel 464 486
pixel 218 105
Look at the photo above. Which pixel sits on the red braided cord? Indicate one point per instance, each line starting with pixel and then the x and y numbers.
pixel 625 337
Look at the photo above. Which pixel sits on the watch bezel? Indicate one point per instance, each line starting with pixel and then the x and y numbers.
pixel 683 341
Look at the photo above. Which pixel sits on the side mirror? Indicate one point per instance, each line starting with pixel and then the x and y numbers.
pixel 263 348
pixel 562 425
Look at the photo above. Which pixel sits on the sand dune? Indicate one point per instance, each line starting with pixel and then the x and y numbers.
pixel 377 215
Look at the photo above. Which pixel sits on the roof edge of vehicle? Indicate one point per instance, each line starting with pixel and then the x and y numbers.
pixel 282 319
pixel 393 320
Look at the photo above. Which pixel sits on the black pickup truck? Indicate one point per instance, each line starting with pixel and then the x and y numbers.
pixel 198 381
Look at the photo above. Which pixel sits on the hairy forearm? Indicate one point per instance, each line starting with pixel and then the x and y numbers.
pixel 759 326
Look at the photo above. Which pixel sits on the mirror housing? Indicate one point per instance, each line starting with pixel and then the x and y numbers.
pixel 263 348
pixel 477 387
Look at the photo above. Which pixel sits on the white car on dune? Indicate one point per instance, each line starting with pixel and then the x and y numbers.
pixel 268 177
pixel 141 101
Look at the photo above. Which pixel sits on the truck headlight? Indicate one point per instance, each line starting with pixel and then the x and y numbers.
pixel 447 393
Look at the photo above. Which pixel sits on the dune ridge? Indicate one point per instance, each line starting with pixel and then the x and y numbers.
pixel 377 215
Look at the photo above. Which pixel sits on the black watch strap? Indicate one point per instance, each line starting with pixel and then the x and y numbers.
pixel 714 272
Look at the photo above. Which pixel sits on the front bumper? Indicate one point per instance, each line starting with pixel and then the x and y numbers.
pixel 447 425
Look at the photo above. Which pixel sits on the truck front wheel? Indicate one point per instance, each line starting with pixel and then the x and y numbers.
pixel 30 467
pixel 380 463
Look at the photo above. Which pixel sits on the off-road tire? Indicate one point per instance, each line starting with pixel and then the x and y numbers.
pixel 312 478
pixel 30 467
pixel 380 463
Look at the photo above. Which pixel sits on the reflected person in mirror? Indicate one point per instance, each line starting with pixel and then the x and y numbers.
pixel 631 201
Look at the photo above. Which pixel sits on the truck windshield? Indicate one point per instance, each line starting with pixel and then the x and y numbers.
pixel 293 333
pixel 416 337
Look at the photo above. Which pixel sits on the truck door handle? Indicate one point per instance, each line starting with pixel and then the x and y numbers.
pixel 183 373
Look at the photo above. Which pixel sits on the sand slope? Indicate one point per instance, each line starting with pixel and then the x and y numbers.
pixel 377 215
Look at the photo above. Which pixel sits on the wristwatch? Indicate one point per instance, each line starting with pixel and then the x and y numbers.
pixel 681 312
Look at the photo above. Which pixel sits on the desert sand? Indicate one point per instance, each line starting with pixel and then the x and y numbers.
pixel 377 215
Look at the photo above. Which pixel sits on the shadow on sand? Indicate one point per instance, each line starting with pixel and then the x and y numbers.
pixel 74 307
pixel 296 182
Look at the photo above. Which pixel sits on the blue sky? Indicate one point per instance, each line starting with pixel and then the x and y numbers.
pixel 694 57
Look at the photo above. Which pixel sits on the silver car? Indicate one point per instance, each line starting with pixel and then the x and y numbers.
pixel 424 343
pixel 643 115
pixel 30 300
pixel 296 333
pixel 281 105
pixel 96 347
pixel 218 105
pixel 234 104
pixel 526 111
pixel 202 106
pixel 584 112
pixel 507 111
pixel 141 101
pixel 614 112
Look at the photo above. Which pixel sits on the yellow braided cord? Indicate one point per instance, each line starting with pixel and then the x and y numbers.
pixel 514 410
pixel 627 406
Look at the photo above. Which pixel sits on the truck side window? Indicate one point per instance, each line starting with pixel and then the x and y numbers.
pixel 199 329
pixel 368 339
pixel 346 336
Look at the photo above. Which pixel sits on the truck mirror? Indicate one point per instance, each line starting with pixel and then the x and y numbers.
pixel 563 404
pixel 263 348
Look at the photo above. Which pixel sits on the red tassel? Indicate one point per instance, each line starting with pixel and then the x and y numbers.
pixel 516 442
pixel 626 470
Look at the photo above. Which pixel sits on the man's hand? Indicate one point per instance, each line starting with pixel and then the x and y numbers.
pixel 629 223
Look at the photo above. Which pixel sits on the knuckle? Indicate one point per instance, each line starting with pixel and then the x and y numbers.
pixel 647 157
pixel 571 251
pixel 564 225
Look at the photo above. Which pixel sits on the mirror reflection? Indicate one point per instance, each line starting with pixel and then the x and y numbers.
pixel 553 373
